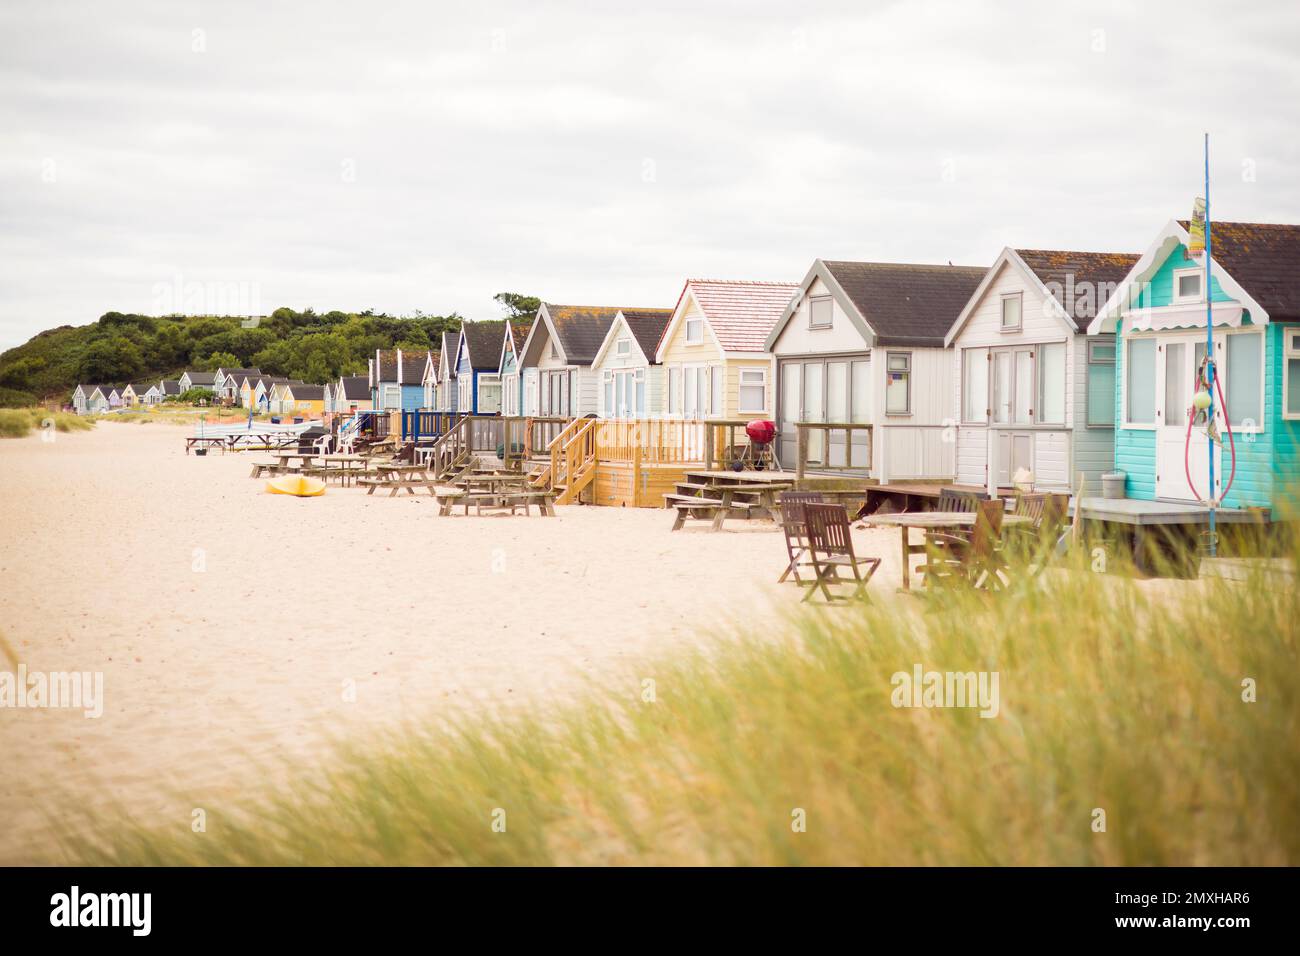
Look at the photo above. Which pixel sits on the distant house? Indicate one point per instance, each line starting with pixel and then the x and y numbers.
pixel 169 388
pixel 262 391
pixel 397 379
pixel 351 394
pixel 446 394
pixel 627 368
pixel 302 398
pixel 477 363
pixel 429 380
pixel 191 379
pixel 1032 392
pixel 89 400
pixel 112 394
pixel 555 362
pixel 128 395
pixel 147 393
pixel 1158 315
pixel 280 396
pixel 226 383
pixel 512 344
pixel 716 360
pixel 863 343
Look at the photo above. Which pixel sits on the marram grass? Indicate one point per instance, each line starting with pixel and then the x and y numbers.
pixel 18 422
pixel 1115 698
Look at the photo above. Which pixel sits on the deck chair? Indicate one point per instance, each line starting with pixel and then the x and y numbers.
pixel 974 557
pixel 794 527
pixel 830 546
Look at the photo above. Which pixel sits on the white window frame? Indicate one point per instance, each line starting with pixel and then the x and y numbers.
pixel 1038 403
pixel 966 359
pixel 1002 314
pixel 740 392
pixel 698 321
pixel 1123 387
pixel 623 346
pixel 1091 361
pixel 1290 353
pixel 1221 365
pixel 890 354
pixel 1179 299
pixel 814 300
pixel 389 390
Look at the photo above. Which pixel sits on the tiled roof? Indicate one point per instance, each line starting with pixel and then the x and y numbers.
pixel 202 378
pixel 741 313
pixel 519 329
pixel 1092 275
pixel 907 305
pixel 355 387
pixel 1265 259
pixel 170 386
pixel 306 393
pixel 581 329
pixel 387 365
pixel 484 341
pixel 647 327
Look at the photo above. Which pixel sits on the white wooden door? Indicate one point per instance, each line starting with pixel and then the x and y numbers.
pixel 1177 362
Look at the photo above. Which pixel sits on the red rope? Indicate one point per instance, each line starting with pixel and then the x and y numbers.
pixel 1187 445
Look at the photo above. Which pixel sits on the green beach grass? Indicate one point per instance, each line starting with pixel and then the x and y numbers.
pixel 1116 698
pixel 19 422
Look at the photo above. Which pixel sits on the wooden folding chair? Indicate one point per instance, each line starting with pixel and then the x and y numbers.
pixel 793 526
pixel 830 545
pixel 969 557
pixel 963 502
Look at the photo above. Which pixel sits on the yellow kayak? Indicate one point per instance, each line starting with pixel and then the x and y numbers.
pixel 296 485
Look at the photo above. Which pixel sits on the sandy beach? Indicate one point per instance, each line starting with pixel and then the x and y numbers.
pixel 234 628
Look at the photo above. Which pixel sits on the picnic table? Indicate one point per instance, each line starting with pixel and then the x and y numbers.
pixel 930 521
pixel 715 500
pixel 344 467
pixel 287 457
pixel 396 475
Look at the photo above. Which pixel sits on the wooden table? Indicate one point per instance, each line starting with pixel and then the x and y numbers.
pixel 397 475
pixel 347 466
pixel 288 456
pixel 930 521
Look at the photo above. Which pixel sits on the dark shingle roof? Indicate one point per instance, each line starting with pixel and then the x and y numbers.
pixel 647 327
pixel 413 365
pixel 170 386
pixel 241 373
pixel 581 329
pixel 387 359
pixel 1265 259
pixel 1094 274
pixel 355 387
pixel 306 393
pixel 484 341
pixel 201 378
pixel 519 330
pixel 908 305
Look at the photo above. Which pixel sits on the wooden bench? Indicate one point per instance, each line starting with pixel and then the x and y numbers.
pixel 261 468
pixel 545 501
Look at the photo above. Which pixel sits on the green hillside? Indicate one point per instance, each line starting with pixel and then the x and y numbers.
pixel 118 348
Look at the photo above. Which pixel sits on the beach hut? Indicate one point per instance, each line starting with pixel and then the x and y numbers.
pixel 280 396
pixel 88 400
pixel 862 343
pixel 127 393
pixel 396 379
pixel 478 360
pixel 512 343
pixel 714 351
pixel 261 391
pixel 147 393
pixel 302 399
pixel 627 366
pixel 227 383
pixel 429 379
pixel 194 379
pixel 169 388
pixel 445 392
pixel 351 394
pixel 1033 394
pixel 1158 314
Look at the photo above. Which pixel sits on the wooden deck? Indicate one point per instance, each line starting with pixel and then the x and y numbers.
pixel 1132 511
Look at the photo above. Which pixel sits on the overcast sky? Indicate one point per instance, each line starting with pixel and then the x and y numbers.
pixel 426 155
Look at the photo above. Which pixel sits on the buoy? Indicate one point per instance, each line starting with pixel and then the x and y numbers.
pixel 296 485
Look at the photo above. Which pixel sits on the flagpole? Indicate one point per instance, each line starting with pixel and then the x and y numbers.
pixel 1209 351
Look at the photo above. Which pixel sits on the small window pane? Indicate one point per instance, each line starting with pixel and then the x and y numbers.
pixel 1140 376
pixel 837 391
pixel 1051 383
pixel 975 395
pixel 1178 398
pixel 898 385
pixel 862 392
pixel 1245 373
pixel 1011 312
pixel 790 404
pixel 819 312
pixel 1293 386
pixel 715 375
pixel 1101 394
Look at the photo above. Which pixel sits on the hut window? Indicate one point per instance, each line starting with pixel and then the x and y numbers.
pixel 753 391
pixel 819 312
pixel 1291 376
pixel 695 331
pixel 975 385
pixel 1101 385
pixel 861 410
pixel 1140 382
pixel 1011 311
pixel 1187 285
pixel 610 410
pixel 674 390
pixel 640 393
pixel 898 383
pixel 1243 385
pixel 623 347
pixel 1051 383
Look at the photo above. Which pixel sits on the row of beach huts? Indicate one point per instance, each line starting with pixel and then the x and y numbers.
pixel 1050 364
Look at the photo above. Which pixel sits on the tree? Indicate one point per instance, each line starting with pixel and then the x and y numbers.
pixel 518 306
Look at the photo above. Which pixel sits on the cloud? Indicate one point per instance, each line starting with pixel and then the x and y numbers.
pixel 417 155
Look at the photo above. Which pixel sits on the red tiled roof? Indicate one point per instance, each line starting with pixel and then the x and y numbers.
pixel 741 313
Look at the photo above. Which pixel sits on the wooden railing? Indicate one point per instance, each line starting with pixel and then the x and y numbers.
pixel 425 424
pixel 573 459
pixel 712 444
pixel 817 447
pixel 540 431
